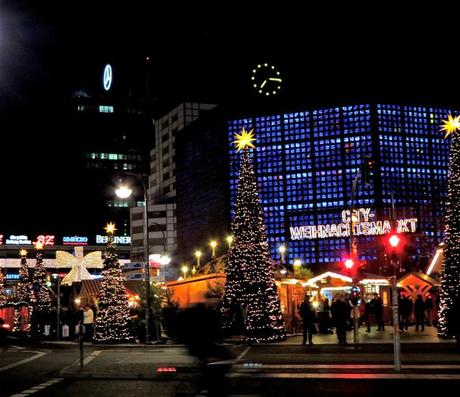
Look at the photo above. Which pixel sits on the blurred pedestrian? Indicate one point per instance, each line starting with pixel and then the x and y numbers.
pixel 419 312
pixel 406 311
pixel 307 312
pixel 429 309
pixel 340 314
pixel 378 312
pixel 88 322
pixel 199 330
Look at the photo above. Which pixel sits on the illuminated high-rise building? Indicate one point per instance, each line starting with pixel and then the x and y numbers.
pixel 306 162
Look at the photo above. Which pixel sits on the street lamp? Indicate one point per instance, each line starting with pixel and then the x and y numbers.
pixel 213 245
pixel 124 192
pixel 229 241
pixel 184 270
pixel 57 277
pixel 197 256
pixel 297 263
pixel 282 250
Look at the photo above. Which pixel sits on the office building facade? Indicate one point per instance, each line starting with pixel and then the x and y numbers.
pixel 162 183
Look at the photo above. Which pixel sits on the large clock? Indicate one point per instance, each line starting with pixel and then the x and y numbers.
pixel 266 79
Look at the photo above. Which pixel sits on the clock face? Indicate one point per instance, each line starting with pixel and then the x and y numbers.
pixel 266 79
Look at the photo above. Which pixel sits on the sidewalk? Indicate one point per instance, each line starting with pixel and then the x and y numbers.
pixel 429 335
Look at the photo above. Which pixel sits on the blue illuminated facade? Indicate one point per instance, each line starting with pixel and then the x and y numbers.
pixel 306 163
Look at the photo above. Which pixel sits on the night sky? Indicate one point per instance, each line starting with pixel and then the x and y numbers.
pixel 328 56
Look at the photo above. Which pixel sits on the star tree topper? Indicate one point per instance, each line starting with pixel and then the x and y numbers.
pixel 110 228
pixel 451 125
pixel 244 140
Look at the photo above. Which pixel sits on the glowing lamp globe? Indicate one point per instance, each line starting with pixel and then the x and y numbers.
pixel 394 240
pixel 123 192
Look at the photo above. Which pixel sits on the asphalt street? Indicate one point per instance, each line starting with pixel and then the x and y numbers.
pixel 264 370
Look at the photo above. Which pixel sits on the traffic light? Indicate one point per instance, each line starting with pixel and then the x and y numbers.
pixel 349 263
pixel 367 169
pixel 355 294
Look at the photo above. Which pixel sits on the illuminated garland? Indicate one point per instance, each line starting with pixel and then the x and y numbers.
pixel 450 272
pixel 112 320
pixel 2 289
pixel 250 281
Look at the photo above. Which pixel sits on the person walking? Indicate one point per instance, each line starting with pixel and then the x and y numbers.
pixel 378 312
pixel 406 311
pixel 340 314
pixel 429 309
pixel 419 312
pixel 307 312
pixel 369 313
pixel 88 322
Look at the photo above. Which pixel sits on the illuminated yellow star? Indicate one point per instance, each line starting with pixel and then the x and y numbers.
pixel 23 252
pixel 38 246
pixel 244 140
pixel 451 125
pixel 110 228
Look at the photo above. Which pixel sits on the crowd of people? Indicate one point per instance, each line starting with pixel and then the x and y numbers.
pixel 344 310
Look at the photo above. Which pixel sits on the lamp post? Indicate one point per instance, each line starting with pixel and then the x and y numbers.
pixel 124 192
pixel 229 241
pixel 213 245
pixel 197 256
pixel 184 270
pixel 58 304
pixel 296 265
pixel 282 250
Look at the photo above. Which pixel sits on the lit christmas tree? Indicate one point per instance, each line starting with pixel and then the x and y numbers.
pixel 250 283
pixel 2 289
pixel 25 291
pixel 112 320
pixel 41 300
pixel 450 272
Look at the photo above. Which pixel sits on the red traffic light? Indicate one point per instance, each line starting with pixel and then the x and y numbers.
pixel 394 240
pixel 349 263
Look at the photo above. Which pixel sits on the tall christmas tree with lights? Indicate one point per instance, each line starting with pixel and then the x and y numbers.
pixel 112 320
pixel 2 288
pixel 41 300
pixel 450 272
pixel 25 292
pixel 250 284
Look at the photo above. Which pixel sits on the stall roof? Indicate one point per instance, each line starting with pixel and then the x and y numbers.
pixel 413 277
pixel 436 263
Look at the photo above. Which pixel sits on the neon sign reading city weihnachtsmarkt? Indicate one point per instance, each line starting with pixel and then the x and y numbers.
pixel 363 225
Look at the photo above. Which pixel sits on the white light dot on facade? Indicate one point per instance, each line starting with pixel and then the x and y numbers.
pixel 107 77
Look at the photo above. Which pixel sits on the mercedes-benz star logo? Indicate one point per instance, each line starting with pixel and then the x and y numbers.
pixel 107 78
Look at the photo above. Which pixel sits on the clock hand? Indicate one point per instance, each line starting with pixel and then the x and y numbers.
pixel 274 79
pixel 262 85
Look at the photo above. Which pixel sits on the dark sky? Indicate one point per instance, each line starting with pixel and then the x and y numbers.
pixel 49 49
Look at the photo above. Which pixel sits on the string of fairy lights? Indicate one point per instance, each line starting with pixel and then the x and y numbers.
pixel 250 283
pixel 450 272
